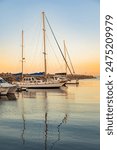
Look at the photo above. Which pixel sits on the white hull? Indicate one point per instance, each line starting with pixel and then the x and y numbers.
pixel 4 90
pixel 65 79
pixel 5 85
pixel 40 85
pixel 73 82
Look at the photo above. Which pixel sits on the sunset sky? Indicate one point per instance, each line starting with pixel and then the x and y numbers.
pixel 75 21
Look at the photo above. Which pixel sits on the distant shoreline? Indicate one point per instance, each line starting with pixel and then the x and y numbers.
pixel 13 77
pixel 82 76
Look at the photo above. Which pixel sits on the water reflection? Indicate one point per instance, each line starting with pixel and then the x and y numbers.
pixel 64 120
pixel 59 131
pixel 23 129
pixel 43 94
pixel 51 119
pixel 11 97
pixel 46 118
pixel 23 119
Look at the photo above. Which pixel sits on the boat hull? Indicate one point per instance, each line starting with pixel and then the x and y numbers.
pixel 73 82
pixel 42 86
pixel 4 90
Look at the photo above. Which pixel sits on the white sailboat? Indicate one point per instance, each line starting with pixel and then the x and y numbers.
pixel 63 76
pixel 33 83
pixel 70 81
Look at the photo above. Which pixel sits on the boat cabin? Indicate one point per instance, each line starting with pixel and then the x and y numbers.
pixel 29 79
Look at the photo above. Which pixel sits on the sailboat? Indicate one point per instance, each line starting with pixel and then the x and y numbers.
pixel 45 83
pixel 70 81
pixel 63 76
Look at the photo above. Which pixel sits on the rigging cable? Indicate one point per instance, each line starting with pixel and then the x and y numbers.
pixel 58 45
pixel 69 59
pixel 53 51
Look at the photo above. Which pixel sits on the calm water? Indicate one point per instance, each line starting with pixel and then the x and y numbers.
pixel 52 119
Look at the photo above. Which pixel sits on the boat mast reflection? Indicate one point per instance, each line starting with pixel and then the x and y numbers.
pixel 44 95
pixel 24 122
pixel 64 120
pixel 46 118
pixel 58 127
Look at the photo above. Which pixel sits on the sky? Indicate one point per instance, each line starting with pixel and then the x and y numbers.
pixel 75 21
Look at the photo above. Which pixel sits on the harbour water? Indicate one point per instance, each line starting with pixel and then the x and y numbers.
pixel 60 119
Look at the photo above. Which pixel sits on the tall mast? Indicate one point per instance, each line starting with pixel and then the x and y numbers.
pixel 22 52
pixel 67 54
pixel 65 57
pixel 44 43
pixel 58 46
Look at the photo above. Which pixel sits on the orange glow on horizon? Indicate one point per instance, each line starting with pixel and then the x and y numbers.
pixel 82 68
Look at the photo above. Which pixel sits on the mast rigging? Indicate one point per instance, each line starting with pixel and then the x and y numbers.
pixel 58 46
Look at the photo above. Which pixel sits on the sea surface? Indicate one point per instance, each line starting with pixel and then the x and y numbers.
pixel 60 119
